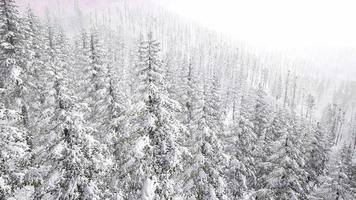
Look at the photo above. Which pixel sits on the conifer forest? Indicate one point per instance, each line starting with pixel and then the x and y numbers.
pixel 133 102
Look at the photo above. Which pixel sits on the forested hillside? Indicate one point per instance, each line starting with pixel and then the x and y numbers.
pixel 130 102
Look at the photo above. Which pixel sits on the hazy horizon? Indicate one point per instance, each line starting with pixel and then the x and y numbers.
pixel 317 31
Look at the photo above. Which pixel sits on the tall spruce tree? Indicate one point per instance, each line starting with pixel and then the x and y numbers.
pixel 14 135
pixel 98 86
pixel 14 148
pixel 260 120
pixel 205 175
pixel 286 180
pixel 337 183
pixel 317 153
pixel 150 151
pixel 242 170
pixel 70 159
pixel 11 41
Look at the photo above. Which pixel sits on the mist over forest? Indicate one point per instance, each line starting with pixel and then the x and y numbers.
pixel 127 100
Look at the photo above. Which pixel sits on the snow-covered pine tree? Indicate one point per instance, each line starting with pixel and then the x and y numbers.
pixel 351 172
pixel 13 60
pixel 239 92
pixel 194 98
pixel 135 66
pixel 14 147
pixel 40 74
pixel 286 180
pixel 36 73
pixel 274 132
pixel 14 118
pixel 260 118
pixel 277 89
pixel 11 41
pixel 261 113
pixel 115 126
pixel 172 76
pixel 150 154
pixel 69 158
pixel 332 121
pixel 184 73
pixel 109 103
pixel 214 108
pixel 82 67
pixel 205 174
pixel 310 106
pixel 317 153
pixel 33 44
pixel 347 159
pixel 98 86
pixel 336 184
pixel 241 173
pixel 33 93
pixel 117 103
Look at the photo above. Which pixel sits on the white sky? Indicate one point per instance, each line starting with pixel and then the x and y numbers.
pixel 282 24
pixel 320 31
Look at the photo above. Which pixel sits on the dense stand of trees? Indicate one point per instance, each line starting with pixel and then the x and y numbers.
pixel 88 115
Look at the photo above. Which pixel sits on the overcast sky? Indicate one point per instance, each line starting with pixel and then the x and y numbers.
pixel 272 23
pixel 322 30
pixel 275 23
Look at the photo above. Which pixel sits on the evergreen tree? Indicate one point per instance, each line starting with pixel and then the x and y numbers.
pixel 286 180
pixel 82 67
pixel 194 99
pixel 70 158
pixel 13 59
pixel 14 135
pixel 36 72
pixel 14 148
pixel 274 132
pixel 150 152
pixel 241 172
pixel 205 175
pixel 98 86
pixel 317 151
pixel 310 104
pixel 214 108
pixel 337 183
pixel 277 89
pixel 115 128
pixel 11 40
pixel 261 113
